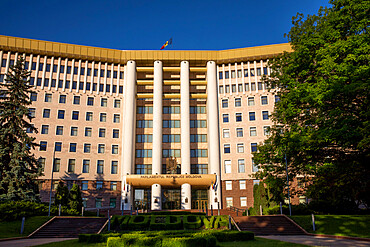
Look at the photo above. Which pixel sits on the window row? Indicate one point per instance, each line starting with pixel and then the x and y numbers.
pixel 240 166
pixel 167 153
pixel 147 169
pixel 239 116
pixel 238 102
pixel 59 130
pixel 87 147
pixel 239 132
pixel 171 110
pixel 171 124
pixel 242 199
pixel 242 185
pixel 85 168
pixel 239 148
pixel 238 73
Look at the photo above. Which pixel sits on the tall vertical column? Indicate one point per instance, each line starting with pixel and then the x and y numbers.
pixel 213 134
pixel 157 133
pixel 185 133
pixel 129 132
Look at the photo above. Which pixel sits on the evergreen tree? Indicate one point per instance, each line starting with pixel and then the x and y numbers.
pixel 61 194
pixel 19 168
pixel 75 199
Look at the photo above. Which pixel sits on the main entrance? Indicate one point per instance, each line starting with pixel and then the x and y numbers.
pixel 199 199
pixel 142 199
pixel 171 199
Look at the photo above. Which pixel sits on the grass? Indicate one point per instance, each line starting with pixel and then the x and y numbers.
pixel 11 229
pixel 340 225
pixel 258 242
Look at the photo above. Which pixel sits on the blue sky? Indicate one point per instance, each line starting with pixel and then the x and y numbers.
pixel 147 24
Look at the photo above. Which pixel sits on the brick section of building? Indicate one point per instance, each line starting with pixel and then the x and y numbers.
pixel 236 193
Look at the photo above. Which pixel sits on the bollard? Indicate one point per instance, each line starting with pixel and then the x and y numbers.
pixel 211 210
pixel 60 209
pixel 260 209
pixel 281 208
pixel 22 226
pixel 108 221
pixel 247 212
pixel 131 210
pixel 313 222
pixel 123 208
pixel 229 222
pixel 83 209
pixel 206 211
pixel 218 207
pixel 97 213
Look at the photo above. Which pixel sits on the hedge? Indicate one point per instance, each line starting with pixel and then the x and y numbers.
pixel 192 222
pixel 96 238
pixel 221 221
pixel 174 223
pixel 208 222
pixel 173 213
pixel 157 225
pixel 138 222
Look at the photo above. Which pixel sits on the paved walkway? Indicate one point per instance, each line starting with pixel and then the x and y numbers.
pixel 318 241
pixel 30 242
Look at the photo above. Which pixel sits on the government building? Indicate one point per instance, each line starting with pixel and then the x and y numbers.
pixel 144 129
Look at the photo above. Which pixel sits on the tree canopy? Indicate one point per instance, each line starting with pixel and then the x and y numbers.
pixel 322 121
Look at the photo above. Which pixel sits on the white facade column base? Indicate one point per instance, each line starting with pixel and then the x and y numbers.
pixel 185 196
pixel 156 197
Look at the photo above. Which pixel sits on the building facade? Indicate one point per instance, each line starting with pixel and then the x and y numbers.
pixel 147 129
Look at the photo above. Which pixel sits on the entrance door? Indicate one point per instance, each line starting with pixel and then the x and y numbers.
pixel 199 199
pixel 171 199
pixel 142 199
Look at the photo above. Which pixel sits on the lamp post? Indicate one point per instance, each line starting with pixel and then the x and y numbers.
pixel 287 181
pixel 51 183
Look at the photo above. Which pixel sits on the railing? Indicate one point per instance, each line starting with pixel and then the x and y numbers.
pixel 233 221
pixel 237 210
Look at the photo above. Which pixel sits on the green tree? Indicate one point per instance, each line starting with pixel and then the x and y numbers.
pixel 19 168
pixel 322 121
pixel 75 198
pixel 61 194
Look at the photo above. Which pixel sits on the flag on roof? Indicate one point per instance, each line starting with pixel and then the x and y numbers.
pixel 168 42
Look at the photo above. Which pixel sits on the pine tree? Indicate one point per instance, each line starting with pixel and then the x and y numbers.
pixel 75 199
pixel 19 168
pixel 61 194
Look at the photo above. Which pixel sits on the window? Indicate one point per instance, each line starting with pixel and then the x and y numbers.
pixel 84 185
pixel 114 168
pixel 116 118
pixel 144 110
pixel 172 138
pixel 45 129
pixel 75 115
pixel 225 118
pixel 239 132
pixel 238 102
pixel 252 116
pixel 233 88
pixel 32 112
pixel 264 100
pixel 241 166
pixel 62 99
pixel 226 133
pixel 74 131
pixel 58 147
pixel 61 114
pixel 72 147
pixel 172 110
pixel 253 131
pixel 238 117
pixel 250 101
pixel 100 167
pixel 226 74
pixel 252 72
pixel 194 153
pixel 266 130
pixel 197 123
pixel 226 148
pixel 171 124
pixel 43 145
pixel 242 184
pixel 265 115
pixel 85 166
pixel 227 166
pixel 240 88
pixel 220 75
pixel 227 88
pixel 46 113
pixel 114 149
pixel 243 201
pixel 197 109
pixel 277 98
pixel 71 165
pixel 59 131
pixel 103 102
pixel 88 131
pixel 48 97
pixel 265 71
pixel 143 153
pixel 90 101
pixel 113 185
pixel 30 129
pixel 89 116
pixel 98 201
pixel 33 97
pixel 46 82
pixel 225 103
pixel 221 89
pixel 229 202
pixel 87 148
pixel 145 124
pixel 253 86
pixel 260 86
pixel 253 147
pixel 115 133
pixel 229 185
pixel 240 147
pixel 143 169
pixel 254 166
pixel 198 138
pixel 258 71
pixel 56 165
pixel 101 148
pixel 233 74
pixel 246 87
pixel 101 132
pixel 117 103
pixel 76 100
pixel 174 153
pixel 239 73
pixel 103 117
pixel 199 169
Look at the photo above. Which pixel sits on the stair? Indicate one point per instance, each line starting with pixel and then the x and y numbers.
pixel 268 225
pixel 70 227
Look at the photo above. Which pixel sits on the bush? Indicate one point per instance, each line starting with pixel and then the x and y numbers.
pixel 300 209
pixel 221 221
pixel 192 222
pixel 96 238
pixel 114 242
pixel 173 223
pixel 208 222
pixel 172 213
pixel 154 225
pixel 139 222
pixel 229 236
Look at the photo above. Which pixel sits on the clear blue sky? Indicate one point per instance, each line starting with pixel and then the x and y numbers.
pixel 147 24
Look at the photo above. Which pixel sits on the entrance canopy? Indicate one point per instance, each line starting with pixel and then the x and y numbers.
pixel 171 180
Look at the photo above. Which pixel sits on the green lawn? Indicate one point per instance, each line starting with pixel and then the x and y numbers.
pixel 10 229
pixel 341 225
pixel 258 242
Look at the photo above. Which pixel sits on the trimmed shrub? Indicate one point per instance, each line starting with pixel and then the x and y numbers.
pixel 141 240
pixel 155 225
pixel 208 222
pixel 124 223
pixel 172 213
pixel 96 238
pixel 114 242
pixel 221 221
pixel 173 223
pixel 188 242
pixel 192 221
pixel 138 222
pixel 229 236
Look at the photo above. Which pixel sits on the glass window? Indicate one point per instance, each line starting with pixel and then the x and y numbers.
pixel 99 186
pixel 74 131
pixel 103 117
pixel 71 165
pixel 240 88
pixel 48 97
pixel 114 149
pixel 45 129
pixel 229 202
pixel 85 166
pixel 220 75
pixel 226 74
pixel 199 169
pixel 43 145
pixel 252 72
pixel 277 98
pixel 265 115
pixel 194 153
pixel 115 133
pixel 56 165
pixel 59 130
pixel 242 184
pixel 89 116
pixel 103 102
pixel 75 115
pixel 227 166
pixel 265 71
pixel 100 167
pixel 225 118
pixel 197 123
pixel 33 97
pixel 171 124
pixel 253 131
pixel 61 114
pixel 233 74
pixel 221 89
pixel 101 148
pixel 260 86
pixel 258 71
pixel 88 131
pixel 46 82
pixel 226 133
pixel 229 185
pixel 252 116
pixel 144 153
pixel 116 118
pixel 46 113
pixel 254 167
pixel 227 88
pixel 240 147
pixel 264 100
pixel 90 101
pixel 62 99
pixel 32 112
pixel 225 103
pixel 114 169
pixel 239 73
pixel 58 147
pixel 145 123
pixel 101 132
pixel 253 86
pixel 241 166
pixel 246 87
pixel 243 201
pixel 175 110
pixel 254 147
pixel 84 185
pixel 72 147
pixel 117 103
pixel 143 169
pixel 233 88
pixel 250 101
pixel 226 148
pixel 196 138
pixel 238 117
pixel 87 148
pixel 239 132
pixel 238 102
pixel 266 130
pixel 76 100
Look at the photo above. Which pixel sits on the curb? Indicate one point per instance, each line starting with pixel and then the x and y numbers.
pixel 339 237
pixel 15 238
